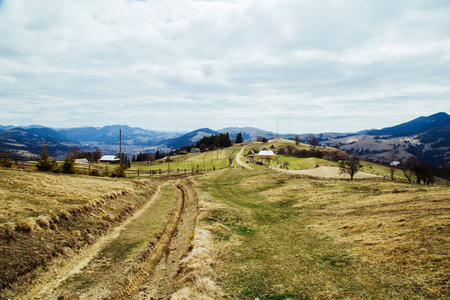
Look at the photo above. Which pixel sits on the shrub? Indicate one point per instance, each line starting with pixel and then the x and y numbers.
pixel 4 161
pixel 46 164
pixel 95 172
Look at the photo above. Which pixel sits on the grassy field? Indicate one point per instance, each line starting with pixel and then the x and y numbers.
pixel 295 163
pixel 24 194
pixel 260 234
pixel 281 237
pixel 217 159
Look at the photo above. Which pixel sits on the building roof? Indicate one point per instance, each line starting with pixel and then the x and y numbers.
pixel 109 158
pixel 265 153
pixel 395 163
pixel 81 160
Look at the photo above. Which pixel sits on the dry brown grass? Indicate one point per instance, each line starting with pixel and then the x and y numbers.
pixel 45 216
pixel 282 236
pixel 402 231
pixel 30 194
pixel 197 280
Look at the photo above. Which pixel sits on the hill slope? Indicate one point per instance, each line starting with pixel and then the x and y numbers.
pixel 416 126
pixel 31 141
pixel 189 138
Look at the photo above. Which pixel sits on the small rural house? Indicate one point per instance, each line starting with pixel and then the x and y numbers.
pixel 81 161
pixel 110 159
pixel 195 150
pixel 265 154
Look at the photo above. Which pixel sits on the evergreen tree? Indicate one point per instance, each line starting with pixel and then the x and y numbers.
pixel 239 138
pixel 45 164
pixel 227 140
pixel 4 161
pixel 69 164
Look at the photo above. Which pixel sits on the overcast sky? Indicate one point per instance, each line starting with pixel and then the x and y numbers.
pixel 179 65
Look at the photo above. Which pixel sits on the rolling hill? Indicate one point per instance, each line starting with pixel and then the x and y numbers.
pixel 427 138
pixel 189 138
pixel 31 141
pixel 417 126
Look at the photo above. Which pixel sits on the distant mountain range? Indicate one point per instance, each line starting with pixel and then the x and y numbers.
pixel 428 138
pixel 416 126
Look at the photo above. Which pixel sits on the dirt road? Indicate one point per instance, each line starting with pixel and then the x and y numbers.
pixel 239 161
pixel 138 259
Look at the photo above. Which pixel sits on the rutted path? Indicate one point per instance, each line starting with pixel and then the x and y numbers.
pixel 82 259
pixel 148 267
pixel 146 273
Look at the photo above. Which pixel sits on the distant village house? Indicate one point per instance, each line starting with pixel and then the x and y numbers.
pixel 110 159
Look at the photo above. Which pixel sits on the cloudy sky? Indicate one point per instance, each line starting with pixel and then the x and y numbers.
pixel 178 65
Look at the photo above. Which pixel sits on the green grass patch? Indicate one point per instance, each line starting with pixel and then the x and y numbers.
pixel 275 248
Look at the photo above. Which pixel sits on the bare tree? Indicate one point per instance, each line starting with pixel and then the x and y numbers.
pixel 313 141
pixel 230 158
pixel 350 166
pixel 297 140
pixel 406 167
pixel 393 165
pixel 445 170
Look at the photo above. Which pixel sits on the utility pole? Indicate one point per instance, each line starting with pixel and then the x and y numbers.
pixel 120 147
pixel 277 129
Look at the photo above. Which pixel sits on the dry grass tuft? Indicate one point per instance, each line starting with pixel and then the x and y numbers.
pixel 196 270
pixel 43 222
pixel 29 225
pixel 65 215
pixel 197 279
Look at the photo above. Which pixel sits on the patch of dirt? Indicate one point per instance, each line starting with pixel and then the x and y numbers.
pixel 329 172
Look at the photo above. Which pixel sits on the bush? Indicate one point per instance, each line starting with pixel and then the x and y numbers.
pixel 95 172
pixel 4 161
pixel 45 164
pixel 120 171
pixel 69 164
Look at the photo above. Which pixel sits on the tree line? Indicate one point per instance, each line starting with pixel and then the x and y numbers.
pixel 217 140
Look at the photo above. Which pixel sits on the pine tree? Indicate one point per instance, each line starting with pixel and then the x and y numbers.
pixel 45 164
pixel 227 140
pixel 239 138
pixel 69 164
pixel 4 161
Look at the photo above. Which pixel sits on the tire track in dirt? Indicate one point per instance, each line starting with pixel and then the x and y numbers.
pixel 81 260
pixel 147 268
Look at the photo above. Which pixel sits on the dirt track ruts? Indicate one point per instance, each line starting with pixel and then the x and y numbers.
pixel 82 259
pixel 147 267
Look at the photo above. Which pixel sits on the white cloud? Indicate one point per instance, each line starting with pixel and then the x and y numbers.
pixel 186 64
